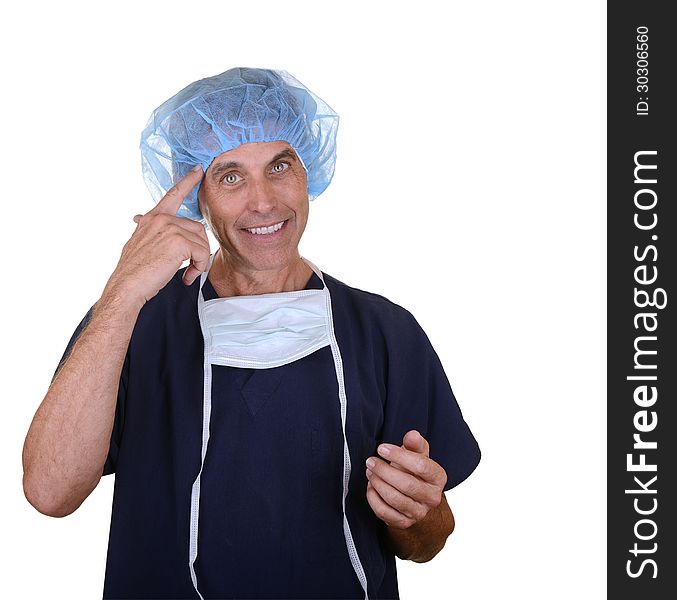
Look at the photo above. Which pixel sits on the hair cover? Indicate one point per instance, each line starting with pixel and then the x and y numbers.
pixel 219 113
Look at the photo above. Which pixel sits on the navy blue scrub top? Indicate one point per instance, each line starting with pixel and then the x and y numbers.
pixel 270 511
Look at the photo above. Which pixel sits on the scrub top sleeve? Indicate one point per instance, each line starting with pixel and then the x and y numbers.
pixel 110 466
pixel 111 459
pixel 74 338
pixel 419 397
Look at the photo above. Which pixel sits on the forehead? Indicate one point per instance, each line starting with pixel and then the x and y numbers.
pixel 252 154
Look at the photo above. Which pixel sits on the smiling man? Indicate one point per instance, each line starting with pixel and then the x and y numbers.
pixel 255 199
pixel 274 432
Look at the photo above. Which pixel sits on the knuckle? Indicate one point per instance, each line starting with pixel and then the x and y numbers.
pixel 178 228
pixel 156 219
pixel 421 465
pixel 390 495
pixel 387 491
pixel 436 499
pixel 190 226
pixel 143 220
pixel 173 191
pixel 420 513
pixel 410 508
pixel 200 261
pixel 197 227
pixel 411 487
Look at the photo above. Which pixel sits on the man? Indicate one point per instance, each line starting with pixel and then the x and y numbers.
pixel 274 432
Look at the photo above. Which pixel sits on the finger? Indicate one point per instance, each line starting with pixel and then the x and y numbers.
pixel 178 230
pixel 415 442
pixel 191 274
pixel 414 462
pixel 172 200
pixel 194 227
pixel 167 221
pixel 199 263
pixel 396 499
pixel 406 483
pixel 191 225
pixel 386 513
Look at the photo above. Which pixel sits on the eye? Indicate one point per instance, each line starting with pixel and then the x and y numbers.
pixel 231 178
pixel 280 167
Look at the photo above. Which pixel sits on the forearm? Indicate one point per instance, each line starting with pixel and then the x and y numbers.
pixel 67 442
pixel 422 541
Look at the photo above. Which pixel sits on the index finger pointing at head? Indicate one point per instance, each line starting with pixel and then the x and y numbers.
pixel 172 200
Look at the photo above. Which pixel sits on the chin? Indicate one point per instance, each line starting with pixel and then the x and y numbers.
pixel 271 263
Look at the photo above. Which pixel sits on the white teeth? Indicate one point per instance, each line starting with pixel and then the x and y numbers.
pixel 266 230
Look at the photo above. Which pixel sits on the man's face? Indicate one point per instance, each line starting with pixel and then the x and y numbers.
pixel 255 200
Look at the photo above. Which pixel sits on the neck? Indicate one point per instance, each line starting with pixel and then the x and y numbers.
pixel 229 279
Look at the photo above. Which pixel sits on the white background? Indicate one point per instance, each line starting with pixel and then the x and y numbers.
pixel 470 188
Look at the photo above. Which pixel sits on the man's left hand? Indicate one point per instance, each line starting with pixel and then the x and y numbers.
pixel 405 484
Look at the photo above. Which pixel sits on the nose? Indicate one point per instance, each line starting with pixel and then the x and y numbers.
pixel 262 197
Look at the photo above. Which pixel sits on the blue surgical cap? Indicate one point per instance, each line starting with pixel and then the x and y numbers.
pixel 219 113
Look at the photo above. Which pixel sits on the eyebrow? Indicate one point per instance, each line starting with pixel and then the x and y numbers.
pixel 221 168
pixel 284 154
pixel 217 170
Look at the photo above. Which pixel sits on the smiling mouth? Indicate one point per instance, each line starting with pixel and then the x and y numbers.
pixel 266 230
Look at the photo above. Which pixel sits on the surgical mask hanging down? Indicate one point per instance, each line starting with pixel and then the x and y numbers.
pixel 262 332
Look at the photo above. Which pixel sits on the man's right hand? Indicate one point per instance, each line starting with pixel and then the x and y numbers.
pixel 160 244
pixel 68 441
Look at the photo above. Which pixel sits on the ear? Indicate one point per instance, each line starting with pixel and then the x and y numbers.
pixel 202 202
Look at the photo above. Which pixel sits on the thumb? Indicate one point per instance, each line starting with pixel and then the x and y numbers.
pixel 415 442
